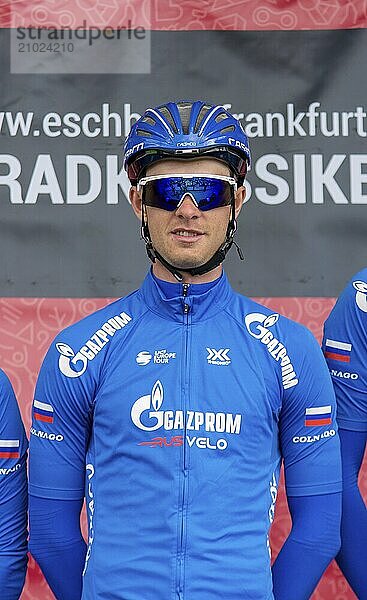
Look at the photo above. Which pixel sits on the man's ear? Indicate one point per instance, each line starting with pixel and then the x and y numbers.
pixel 239 199
pixel 135 200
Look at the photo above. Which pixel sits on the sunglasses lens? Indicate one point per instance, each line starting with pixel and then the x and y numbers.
pixel 167 192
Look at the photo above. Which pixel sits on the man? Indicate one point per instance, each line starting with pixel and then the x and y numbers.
pixel 345 349
pixel 13 494
pixel 181 400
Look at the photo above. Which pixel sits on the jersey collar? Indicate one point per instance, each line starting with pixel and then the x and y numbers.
pixel 202 306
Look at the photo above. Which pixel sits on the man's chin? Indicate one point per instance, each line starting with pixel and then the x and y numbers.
pixel 185 265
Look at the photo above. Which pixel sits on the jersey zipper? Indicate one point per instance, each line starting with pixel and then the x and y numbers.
pixel 183 496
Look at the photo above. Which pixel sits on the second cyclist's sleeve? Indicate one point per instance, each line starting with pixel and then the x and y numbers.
pixel 13 494
pixel 61 416
pixel 345 349
pixel 308 429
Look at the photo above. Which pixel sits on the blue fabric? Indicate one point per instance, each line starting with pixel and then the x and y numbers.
pixel 13 494
pixel 57 544
pixel 172 416
pixel 312 543
pixel 352 558
pixel 345 348
pixel 174 290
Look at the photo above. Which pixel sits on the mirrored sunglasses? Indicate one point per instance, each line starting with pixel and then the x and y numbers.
pixel 206 191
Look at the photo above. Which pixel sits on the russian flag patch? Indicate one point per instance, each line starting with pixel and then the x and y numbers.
pixel 318 415
pixel 43 412
pixel 336 350
pixel 9 448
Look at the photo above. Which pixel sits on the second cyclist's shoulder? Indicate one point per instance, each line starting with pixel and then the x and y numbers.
pixel 362 274
pixel 7 396
pixel 6 387
pixel 357 283
pixel 4 380
pixel 353 299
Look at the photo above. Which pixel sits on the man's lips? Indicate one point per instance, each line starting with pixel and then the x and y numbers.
pixel 187 235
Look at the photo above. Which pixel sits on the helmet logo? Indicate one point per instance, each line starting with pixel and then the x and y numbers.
pixel 238 144
pixel 186 143
pixel 135 148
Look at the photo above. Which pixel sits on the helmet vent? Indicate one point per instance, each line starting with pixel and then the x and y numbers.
pixel 148 120
pixel 166 113
pixel 211 129
pixel 143 133
pixel 184 109
pixel 221 117
pixel 227 129
pixel 202 114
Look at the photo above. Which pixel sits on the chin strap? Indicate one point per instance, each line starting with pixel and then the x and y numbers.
pixel 217 258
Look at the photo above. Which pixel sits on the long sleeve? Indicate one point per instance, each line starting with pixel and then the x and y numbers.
pixel 345 349
pixel 352 558
pixel 312 543
pixel 13 494
pixel 57 544
pixel 61 417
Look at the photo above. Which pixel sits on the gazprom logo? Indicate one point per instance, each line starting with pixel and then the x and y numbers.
pixel 74 364
pixel 361 295
pixel 149 405
pixel 147 414
pixel 258 325
pixel 68 361
pixel 271 320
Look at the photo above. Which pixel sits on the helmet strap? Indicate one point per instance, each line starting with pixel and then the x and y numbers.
pixel 152 253
pixel 217 258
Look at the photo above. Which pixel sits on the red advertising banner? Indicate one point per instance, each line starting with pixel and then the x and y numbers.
pixel 232 15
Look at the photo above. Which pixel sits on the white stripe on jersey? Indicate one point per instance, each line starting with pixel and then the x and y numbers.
pixel 43 405
pixel 9 443
pixel 340 345
pixel 318 410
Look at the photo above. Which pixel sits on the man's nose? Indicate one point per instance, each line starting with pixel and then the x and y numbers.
pixel 187 208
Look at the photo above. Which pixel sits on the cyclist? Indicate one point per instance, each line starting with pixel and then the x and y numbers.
pixel 177 404
pixel 345 349
pixel 13 494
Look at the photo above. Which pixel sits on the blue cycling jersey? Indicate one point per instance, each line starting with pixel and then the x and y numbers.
pixel 13 494
pixel 175 413
pixel 345 349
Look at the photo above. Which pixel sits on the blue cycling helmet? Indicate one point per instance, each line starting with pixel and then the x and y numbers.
pixel 186 130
